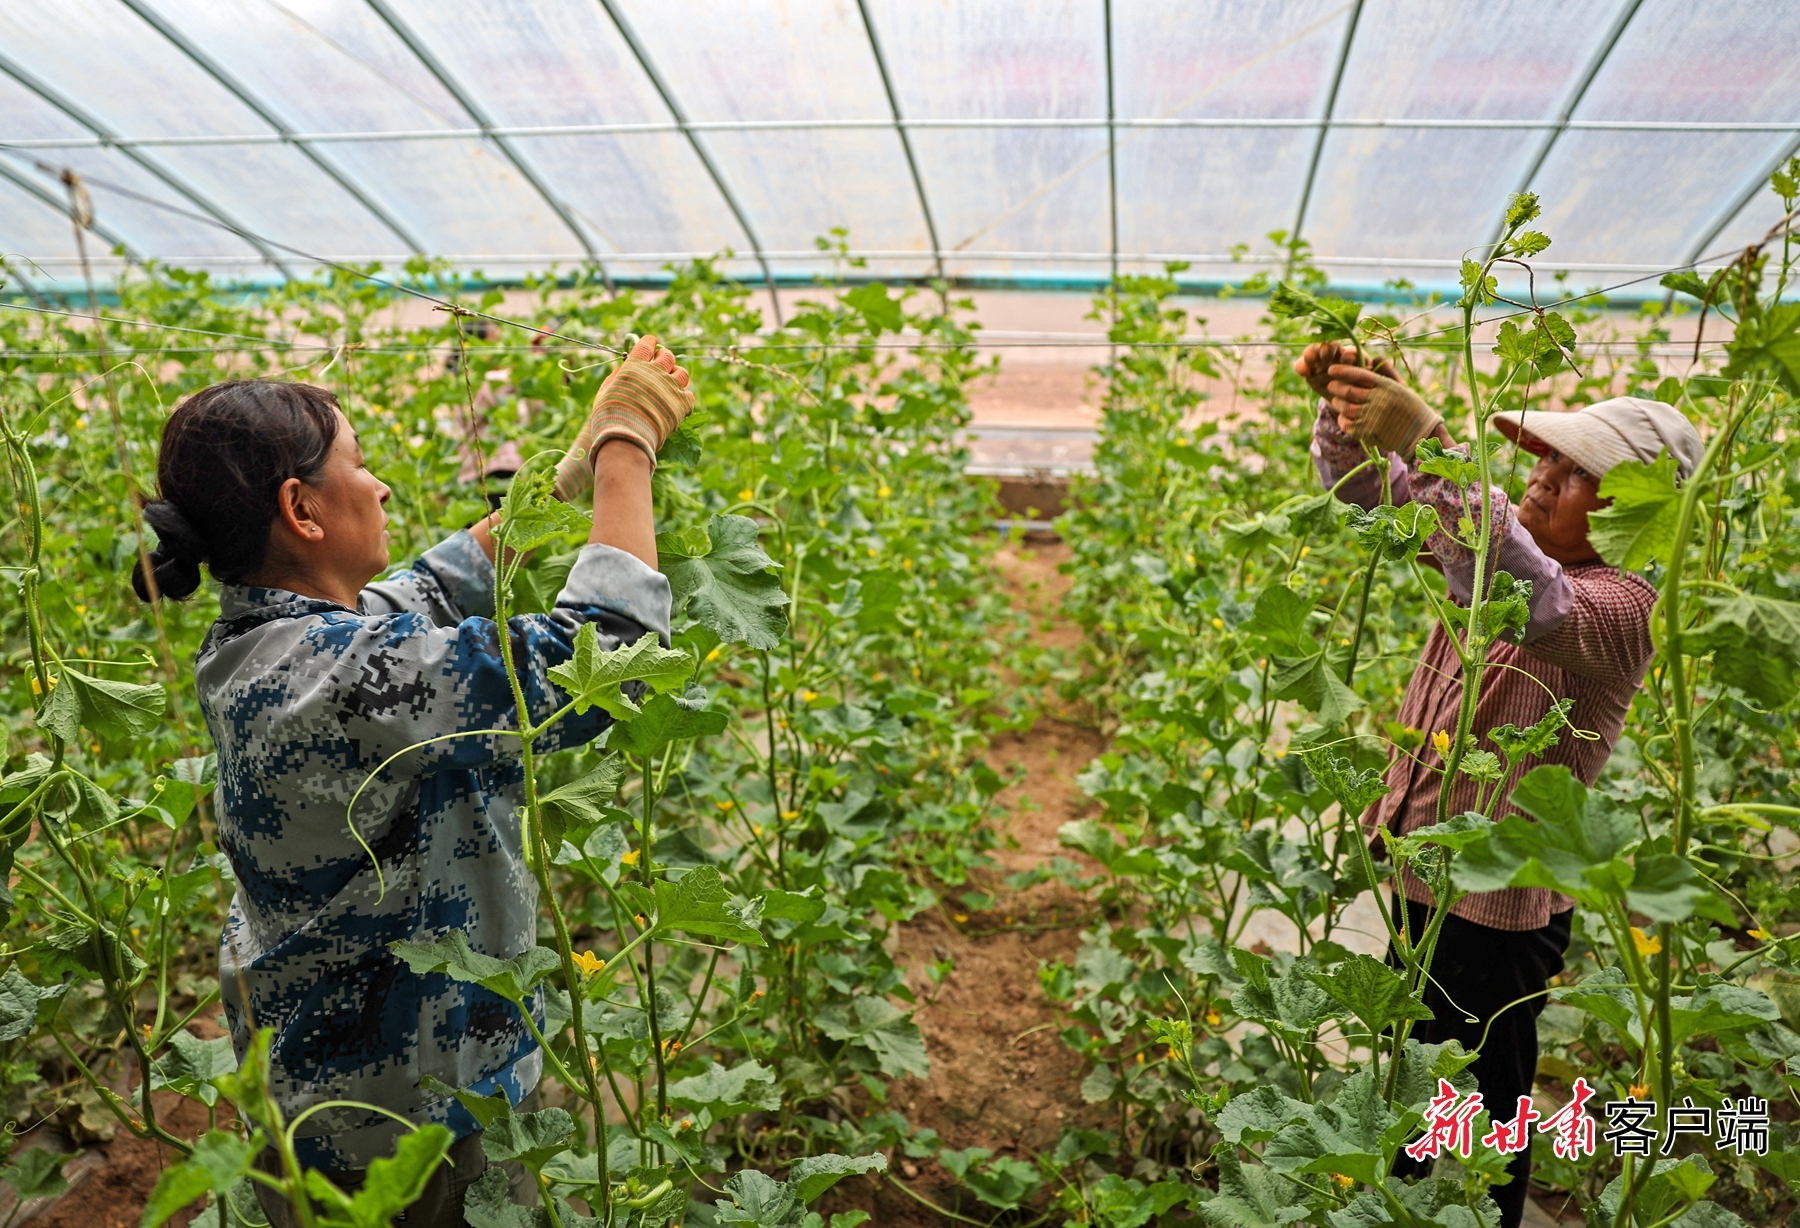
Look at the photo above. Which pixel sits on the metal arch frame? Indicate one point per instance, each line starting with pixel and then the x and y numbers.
pixel 1337 80
pixel 682 123
pixel 242 93
pixel 61 207
pixel 912 163
pixel 1740 200
pixel 466 101
pixel 1566 112
pixel 1112 152
pixel 148 163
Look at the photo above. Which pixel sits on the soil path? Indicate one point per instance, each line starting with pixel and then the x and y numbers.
pixel 1001 1077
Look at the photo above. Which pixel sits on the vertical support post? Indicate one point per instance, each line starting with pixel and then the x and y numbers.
pixel 1312 166
pixel 912 163
pixel 1112 153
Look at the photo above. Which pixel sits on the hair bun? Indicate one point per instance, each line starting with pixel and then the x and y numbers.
pixel 176 560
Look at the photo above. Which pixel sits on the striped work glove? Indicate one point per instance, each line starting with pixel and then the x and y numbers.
pixel 643 400
pixel 1393 417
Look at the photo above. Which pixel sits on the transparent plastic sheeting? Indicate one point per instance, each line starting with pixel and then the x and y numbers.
pixel 245 136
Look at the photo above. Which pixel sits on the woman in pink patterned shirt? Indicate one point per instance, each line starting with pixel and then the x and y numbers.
pixel 1587 641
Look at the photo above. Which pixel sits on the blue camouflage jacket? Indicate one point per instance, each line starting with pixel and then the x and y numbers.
pixel 305 698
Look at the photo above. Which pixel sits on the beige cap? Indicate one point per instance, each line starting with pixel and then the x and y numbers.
pixel 1601 435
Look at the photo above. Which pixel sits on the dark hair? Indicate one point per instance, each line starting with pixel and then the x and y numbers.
pixel 225 453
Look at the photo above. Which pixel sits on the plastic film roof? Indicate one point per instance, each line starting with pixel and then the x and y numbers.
pixel 1011 141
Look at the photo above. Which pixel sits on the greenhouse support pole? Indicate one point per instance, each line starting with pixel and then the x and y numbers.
pixel 912 163
pixel 1318 151
pixel 242 93
pixel 1112 151
pixel 687 130
pixel 147 162
pixel 1740 199
pixel 1595 63
pixel 467 102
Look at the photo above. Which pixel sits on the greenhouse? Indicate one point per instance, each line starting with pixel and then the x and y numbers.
pixel 628 613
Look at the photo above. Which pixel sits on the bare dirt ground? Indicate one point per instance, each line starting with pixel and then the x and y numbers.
pixel 1001 1077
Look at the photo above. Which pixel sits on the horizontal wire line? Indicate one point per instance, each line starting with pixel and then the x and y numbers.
pixel 1374 123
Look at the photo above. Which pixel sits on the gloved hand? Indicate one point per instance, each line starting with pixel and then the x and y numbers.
pixel 1380 410
pixel 644 400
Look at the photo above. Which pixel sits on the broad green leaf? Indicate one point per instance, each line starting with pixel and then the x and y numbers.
pixel 1767 344
pixel 1332 319
pixel 1288 999
pixel 1607 996
pixel 1517 744
pixel 888 1034
pixel 699 904
pixel 1507 608
pixel 1755 642
pixel 1572 848
pixel 683 447
pixel 530 1138
pixel 593 678
pixel 732 590
pixel 747 1087
pixel 1455 465
pixel 1355 790
pixel 1395 533
pixel 531 515
pixel 513 979
pixel 218 1160
pixel 489 1204
pixel 61 714
pixel 800 906
pixel 1346 1136
pixel 1373 992
pixel 392 1183
pixel 1004 1183
pixel 581 804
pixel 1315 684
pixel 191 1065
pixel 116 709
pixel 884 314
pixel 662 723
pixel 1639 527
pixel 1251 1196
pixel 1665 887
pixel 486 1110
pixel 18 1005
pixel 756 1198
pixel 1280 620
pixel 1257 1115
pixel 36 1173
pixel 812 1176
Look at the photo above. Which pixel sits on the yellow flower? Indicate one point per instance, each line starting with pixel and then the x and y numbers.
pixel 756 829
pixel 1305 550
pixel 1213 1018
pixel 871 552
pixel 807 697
pixel 1339 1179
pixel 906 564
pixel 883 492
pixel 878 677
pixel 588 962
pixel 640 920
pixel 1140 1057
pixel 1440 742
pixel 81 609
pixel 1645 944
pixel 1761 935
pixel 744 496
pixel 630 856
pixel 790 814
pixel 714 654
pixel 961 917
pixel 1639 1089
pixel 1218 624
pixel 726 805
